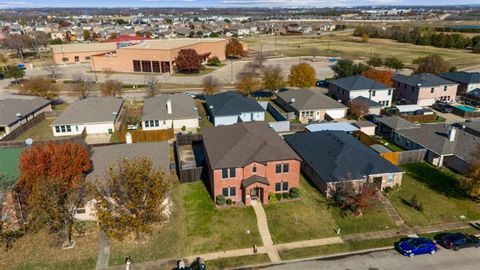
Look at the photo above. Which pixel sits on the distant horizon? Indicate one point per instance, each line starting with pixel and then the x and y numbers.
pixel 231 3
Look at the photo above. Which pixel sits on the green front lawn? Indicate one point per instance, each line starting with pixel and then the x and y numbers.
pixel 227 263
pixel 312 217
pixel 437 190
pixel 40 131
pixel 203 122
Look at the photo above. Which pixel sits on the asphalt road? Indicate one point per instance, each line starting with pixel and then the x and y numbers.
pixel 466 259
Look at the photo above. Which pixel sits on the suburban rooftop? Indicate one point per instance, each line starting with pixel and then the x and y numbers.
pixel 90 110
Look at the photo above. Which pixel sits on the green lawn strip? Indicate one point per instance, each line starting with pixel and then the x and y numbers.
pixel 436 189
pixel 42 130
pixel 348 246
pixel 226 263
pixel 304 219
pixel 435 235
pixel 210 229
pixel 269 117
pixel 9 164
pixel 391 146
pixel 84 264
pixel 203 122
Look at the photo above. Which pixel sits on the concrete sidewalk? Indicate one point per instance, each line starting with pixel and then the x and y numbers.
pixel 265 232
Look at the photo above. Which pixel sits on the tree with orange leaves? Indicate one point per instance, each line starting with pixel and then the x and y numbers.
pixel 51 184
pixel 381 76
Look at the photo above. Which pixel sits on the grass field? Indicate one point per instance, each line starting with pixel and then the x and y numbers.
pixel 237 261
pixel 203 122
pixel 347 46
pixel 40 131
pixel 9 164
pixel 437 190
pixel 312 218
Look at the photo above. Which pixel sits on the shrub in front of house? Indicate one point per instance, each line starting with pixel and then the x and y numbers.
pixel 214 61
pixel 229 201
pixel 220 200
pixel 294 192
pixel 286 195
pixel 279 196
pixel 272 199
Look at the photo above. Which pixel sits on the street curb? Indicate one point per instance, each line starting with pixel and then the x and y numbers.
pixel 336 255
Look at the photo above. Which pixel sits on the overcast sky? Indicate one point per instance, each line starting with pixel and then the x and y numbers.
pixel 222 3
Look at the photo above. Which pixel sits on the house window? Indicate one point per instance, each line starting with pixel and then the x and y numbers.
pixel 147 123
pixel 445 88
pixel 87 58
pixel 157 123
pixel 136 66
pixel 373 93
pixel 254 169
pixel 285 168
pixel 387 102
pixel 232 173
pixel 228 173
pixel 63 128
pixel 57 129
pixel 225 192
pixel 77 59
pixel 146 66
pixel 285 186
pixel 69 129
pixel 233 191
pixel 224 173
pixel 278 186
pixel 390 92
pixel 156 66
pixel 390 179
pixel 65 59
pixel 278 168
pixel 432 90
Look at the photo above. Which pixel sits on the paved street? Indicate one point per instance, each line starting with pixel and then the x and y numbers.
pixel 466 259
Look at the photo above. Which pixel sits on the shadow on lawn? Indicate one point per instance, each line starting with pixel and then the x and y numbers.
pixel 436 179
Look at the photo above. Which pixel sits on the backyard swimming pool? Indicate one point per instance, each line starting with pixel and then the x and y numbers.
pixel 465 108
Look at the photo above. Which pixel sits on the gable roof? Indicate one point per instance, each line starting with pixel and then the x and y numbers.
pixel 241 144
pixel 25 105
pixel 337 156
pixel 307 99
pixel 183 107
pixel 422 79
pixel 364 101
pixel 462 77
pixel 90 110
pixel 359 82
pixel 231 103
pixel 103 157
pixel 395 122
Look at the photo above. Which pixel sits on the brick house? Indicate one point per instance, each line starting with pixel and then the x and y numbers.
pixel 423 89
pixel 247 161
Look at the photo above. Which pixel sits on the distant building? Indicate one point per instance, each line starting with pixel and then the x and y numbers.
pixel 349 88
pixel 467 81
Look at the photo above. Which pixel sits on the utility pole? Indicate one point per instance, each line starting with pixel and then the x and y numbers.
pixel 231 70
pixel 275 43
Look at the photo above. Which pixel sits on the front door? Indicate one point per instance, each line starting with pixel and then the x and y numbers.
pixel 378 182
pixel 254 193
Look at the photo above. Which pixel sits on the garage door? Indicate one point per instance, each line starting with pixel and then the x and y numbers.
pixel 337 114
pixel 426 102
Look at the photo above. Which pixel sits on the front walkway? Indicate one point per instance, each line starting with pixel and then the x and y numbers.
pixel 392 212
pixel 265 232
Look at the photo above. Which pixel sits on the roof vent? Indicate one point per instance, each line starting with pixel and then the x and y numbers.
pixel 292 100
pixel 18 115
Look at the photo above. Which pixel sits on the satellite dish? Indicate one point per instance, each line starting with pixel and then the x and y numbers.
pixel 29 141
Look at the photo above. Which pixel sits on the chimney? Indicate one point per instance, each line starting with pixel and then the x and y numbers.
pixel 128 138
pixel 169 106
pixel 452 132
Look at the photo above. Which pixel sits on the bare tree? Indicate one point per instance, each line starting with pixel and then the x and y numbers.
pixel 108 73
pixel 152 85
pixel 16 43
pixel 210 85
pixel 111 88
pixel 51 67
pixel 82 86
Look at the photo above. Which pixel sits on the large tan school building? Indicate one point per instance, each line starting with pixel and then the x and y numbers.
pixel 148 56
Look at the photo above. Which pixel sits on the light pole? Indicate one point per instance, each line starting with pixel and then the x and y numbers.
pixel 231 70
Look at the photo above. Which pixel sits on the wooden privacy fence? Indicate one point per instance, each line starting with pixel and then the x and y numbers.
pixel 405 157
pixel 76 139
pixel 420 118
pixel 366 139
pixel 24 127
pixel 147 136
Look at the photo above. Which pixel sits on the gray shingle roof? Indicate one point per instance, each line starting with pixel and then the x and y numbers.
pixel 25 105
pixel 90 110
pixel 363 101
pixel 358 82
pixel 462 77
pixel 337 156
pixel 424 79
pixel 241 144
pixel 254 179
pixel 396 123
pixel 307 99
pixel 232 103
pixel 183 107
pixel 103 157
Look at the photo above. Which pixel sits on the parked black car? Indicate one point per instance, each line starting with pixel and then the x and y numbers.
pixel 322 83
pixel 457 241
pixel 442 107
pixel 372 117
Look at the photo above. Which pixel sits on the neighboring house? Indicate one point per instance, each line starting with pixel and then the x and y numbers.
pixel 341 126
pixel 349 88
pixel 366 127
pixel 103 157
pixel 310 105
pixel 16 111
pixel 229 108
pixel 247 161
pixel 177 111
pixel 336 161
pixel 447 145
pixel 467 81
pixel 371 107
pixel 96 115
pixel 423 89
pixel 387 125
